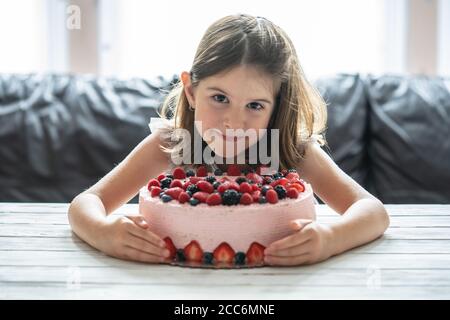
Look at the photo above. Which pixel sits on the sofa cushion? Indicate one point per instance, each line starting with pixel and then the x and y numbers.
pixel 346 134
pixel 409 145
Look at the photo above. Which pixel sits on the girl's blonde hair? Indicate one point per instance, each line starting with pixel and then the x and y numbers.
pixel 300 111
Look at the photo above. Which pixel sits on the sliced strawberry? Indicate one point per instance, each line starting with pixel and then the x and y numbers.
pixel 186 184
pixel 281 181
pixel 245 187
pixel 194 180
pixel 184 197
pixel 224 253
pixel 299 182
pixel 155 191
pixel 202 171
pixel 193 252
pixel 205 186
pixel 214 199
pixel 176 183
pixel 174 192
pixel 171 247
pixel 233 170
pixel 178 173
pixel 272 196
pixel 201 196
pixel 256 195
pixel 296 186
pixel 153 183
pixel 161 176
pixel 292 193
pixel 292 175
pixel 255 254
pixel 256 178
pixel 246 199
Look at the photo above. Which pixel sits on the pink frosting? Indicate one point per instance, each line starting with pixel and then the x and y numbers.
pixel 238 225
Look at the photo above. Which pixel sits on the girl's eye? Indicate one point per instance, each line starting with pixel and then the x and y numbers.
pixel 219 98
pixel 255 106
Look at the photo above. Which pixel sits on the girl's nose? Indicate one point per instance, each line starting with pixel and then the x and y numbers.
pixel 234 119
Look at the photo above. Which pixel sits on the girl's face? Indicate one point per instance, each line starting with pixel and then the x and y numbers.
pixel 240 98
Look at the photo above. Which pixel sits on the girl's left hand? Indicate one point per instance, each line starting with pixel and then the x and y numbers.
pixel 310 243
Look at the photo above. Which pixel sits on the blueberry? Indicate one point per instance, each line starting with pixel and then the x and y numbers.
pixel 216 184
pixel 218 172
pixel 170 176
pixel 180 255
pixel 277 175
pixel 166 198
pixel 192 188
pixel 190 173
pixel 208 258
pixel 292 170
pixel 240 180
pixel 194 202
pixel 264 189
pixel 161 194
pixel 239 258
pixel 210 179
pixel 262 200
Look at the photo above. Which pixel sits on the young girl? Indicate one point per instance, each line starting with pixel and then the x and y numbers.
pixel 245 75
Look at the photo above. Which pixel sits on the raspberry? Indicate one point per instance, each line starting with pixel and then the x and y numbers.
pixel 233 170
pixel 214 199
pixel 205 186
pixel 272 196
pixel 176 183
pixel 256 195
pixel 186 185
pixel 292 175
pixel 161 176
pixel 255 187
pixel 222 188
pixel 155 191
pixel 254 177
pixel 246 199
pixel 184 197
pixel 245 187
pixel 178 173
pixel 292 193
pixel 153 183
pixel 202 171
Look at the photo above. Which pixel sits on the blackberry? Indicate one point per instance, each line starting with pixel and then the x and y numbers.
pixel 292 170
pixel 180 255
pixel 230 197
pixel 166 198
pixel 208 258
pixel 218 172
pixel 165 183
pixel 210 179
pixel 239 258
pixel 264 189
pixel 262 200
pixel 240 180
pixel 190 173
pixel 192 188
pixel 216 184
pixel 170 176
pixel 281 191
pixel 194 202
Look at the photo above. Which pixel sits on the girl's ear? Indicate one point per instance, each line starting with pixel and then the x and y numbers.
pixel 187 87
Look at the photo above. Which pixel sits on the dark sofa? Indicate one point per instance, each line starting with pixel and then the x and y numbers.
pixel 59 134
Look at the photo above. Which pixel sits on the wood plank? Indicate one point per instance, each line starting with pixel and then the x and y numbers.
pixel 346 260
pixel 161 276
pixel 205 291
pixel 383 245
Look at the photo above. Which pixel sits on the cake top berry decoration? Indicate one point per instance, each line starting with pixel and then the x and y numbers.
pixel 233 187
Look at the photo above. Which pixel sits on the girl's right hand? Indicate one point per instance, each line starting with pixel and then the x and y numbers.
pixel 128 237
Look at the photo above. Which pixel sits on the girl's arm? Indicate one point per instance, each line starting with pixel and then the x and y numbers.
pixel 124 237
pixel 364 217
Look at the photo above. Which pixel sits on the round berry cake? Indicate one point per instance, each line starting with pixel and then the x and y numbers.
pixel 223 220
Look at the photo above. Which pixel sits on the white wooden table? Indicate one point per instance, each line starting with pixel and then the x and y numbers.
pixel 40 258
